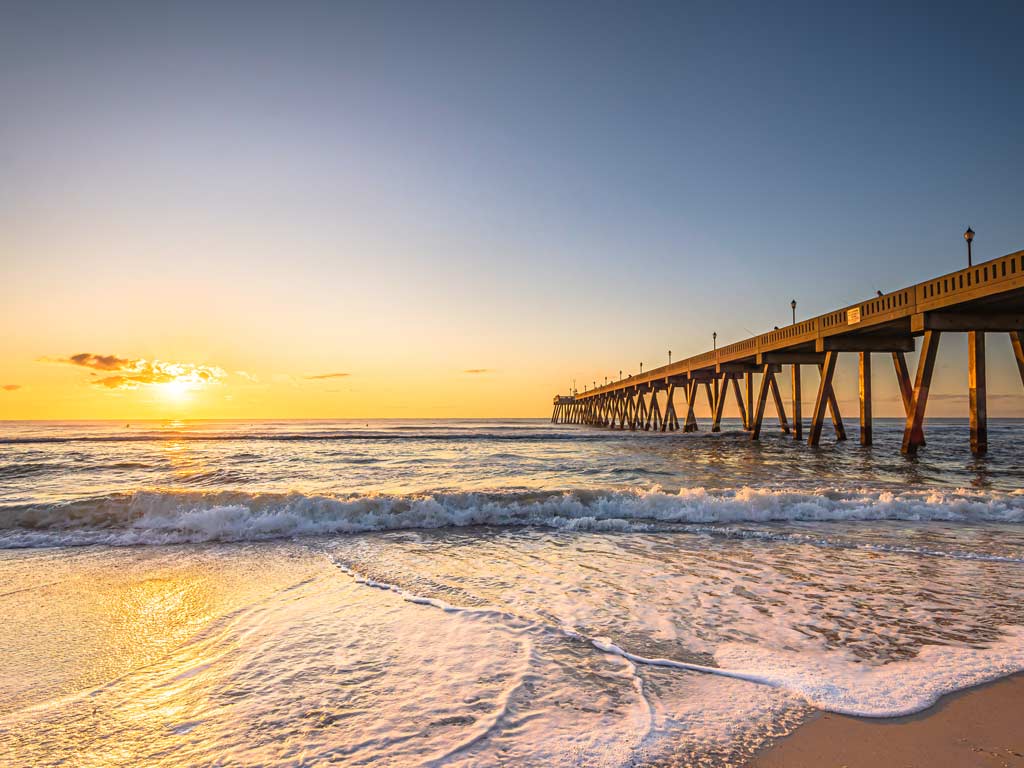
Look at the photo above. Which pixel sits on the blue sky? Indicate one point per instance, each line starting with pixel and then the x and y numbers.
pixel 554 188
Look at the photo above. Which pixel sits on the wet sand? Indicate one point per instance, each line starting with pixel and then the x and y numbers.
pixel 981 726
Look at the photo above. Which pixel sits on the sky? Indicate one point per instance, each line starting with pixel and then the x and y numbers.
pixel 307 210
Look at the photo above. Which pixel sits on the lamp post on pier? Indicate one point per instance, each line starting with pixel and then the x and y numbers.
pixel 641 367
pixel 792 305
pixel 670 357
pixel 969 237
pixel 714 339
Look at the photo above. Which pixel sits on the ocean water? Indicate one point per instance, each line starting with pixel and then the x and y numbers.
pixel 410 593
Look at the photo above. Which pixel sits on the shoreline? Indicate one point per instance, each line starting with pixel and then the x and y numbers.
pixel 978 726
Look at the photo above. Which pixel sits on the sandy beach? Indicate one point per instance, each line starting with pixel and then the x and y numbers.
pixel 982 726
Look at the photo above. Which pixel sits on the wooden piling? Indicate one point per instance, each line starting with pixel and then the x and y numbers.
pixel 762 398
pixel 899 361
pixel 690 425
pixel 739 401
pixel 823 400
pixel 864 388
pixel 1017 342
pixel 780 409
pixel 720 395
pixel 913 433
pixel 670 408
pixel 716 422
pixel 978 395
pixel 833 409
pixel 798 419
pixel 748 380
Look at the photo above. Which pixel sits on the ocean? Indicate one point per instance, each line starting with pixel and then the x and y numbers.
pixel 488 592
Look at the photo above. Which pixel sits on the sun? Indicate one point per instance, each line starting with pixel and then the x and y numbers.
pixel 176 391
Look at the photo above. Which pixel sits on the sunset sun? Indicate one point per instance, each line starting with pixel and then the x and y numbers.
pixel 175 391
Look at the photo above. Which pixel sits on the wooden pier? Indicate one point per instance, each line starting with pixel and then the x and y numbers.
pixel 984 298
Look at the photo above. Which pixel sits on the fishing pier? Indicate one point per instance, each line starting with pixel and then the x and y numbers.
pixel 984 298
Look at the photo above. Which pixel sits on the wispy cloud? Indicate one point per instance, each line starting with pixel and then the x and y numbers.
pixel 478 370
pixel 99 362
pixel 133 373
pixel 11 387
pixel 248 376
pixel 328 376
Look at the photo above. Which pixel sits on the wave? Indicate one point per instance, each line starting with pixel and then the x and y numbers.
pixel 174 517
pixel 27 469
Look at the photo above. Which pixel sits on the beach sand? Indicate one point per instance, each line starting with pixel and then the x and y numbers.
pixel 981 726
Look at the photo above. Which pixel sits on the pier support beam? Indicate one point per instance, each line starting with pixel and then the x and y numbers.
pixel 670 422
pixel 723 395
pixel 716 417
pixel 716 421
pixel 641 409
pixel 690 425
pixel 913 433
pixel 654 412
pixel 749 383
pixel 833 409
pixel 1017 341
pixel 899 362
pixel 824 398
pixel 739 401
pixel 864 388
pixel 798 418
pixel 762 398
pixel 976 385
pixel 780 409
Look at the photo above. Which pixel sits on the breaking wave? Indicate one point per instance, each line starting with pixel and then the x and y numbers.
pixel 166 517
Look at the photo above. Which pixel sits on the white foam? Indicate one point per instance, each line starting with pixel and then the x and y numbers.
pixel 894 689
pixel 837 684
pixel 829 681
pixel 168 517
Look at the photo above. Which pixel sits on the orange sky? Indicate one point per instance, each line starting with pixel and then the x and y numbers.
pixel 155 323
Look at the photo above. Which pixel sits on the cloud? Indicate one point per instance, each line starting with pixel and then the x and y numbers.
pixel 328 376
pixel 132 373
pixel 99 362
pixel 248 376
pixel 10 387
pixel 478 370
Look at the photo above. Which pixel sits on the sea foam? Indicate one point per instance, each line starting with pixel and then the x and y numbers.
pixel 153 517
